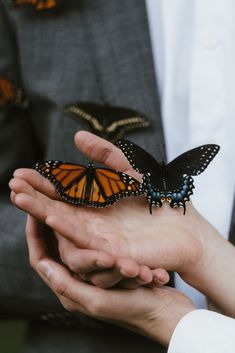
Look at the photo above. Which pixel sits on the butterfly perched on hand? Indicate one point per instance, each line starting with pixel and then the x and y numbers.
pixel 172 182
pixel 106 121
pixel 96 187
pixel 38 5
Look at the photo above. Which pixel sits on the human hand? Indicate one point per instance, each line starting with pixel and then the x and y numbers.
pixel 152 312
pixel 187 244
pixel 125 228
pixel 105 269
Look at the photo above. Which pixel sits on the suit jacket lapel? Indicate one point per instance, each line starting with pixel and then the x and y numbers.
pixel 122 59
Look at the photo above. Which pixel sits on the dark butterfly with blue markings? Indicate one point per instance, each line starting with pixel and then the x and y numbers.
pixel 95 187
pixel 171 182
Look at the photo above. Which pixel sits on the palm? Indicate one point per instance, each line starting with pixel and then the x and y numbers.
pixel 162 239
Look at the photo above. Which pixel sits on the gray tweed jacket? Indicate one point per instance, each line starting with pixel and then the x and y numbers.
pixel 88 50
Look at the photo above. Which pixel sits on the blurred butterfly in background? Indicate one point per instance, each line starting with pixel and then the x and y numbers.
pixel 168 182
pixel 106 121
pixel 96 187
pixel 38 5
pixel 10 94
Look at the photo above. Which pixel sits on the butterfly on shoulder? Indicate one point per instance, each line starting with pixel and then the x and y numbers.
pixel 38 5
pixel 95 187
pixel 10 94
pixel 171 182
pixel 109 122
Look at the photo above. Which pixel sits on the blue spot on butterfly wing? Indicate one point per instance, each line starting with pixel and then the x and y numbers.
pixel 182 195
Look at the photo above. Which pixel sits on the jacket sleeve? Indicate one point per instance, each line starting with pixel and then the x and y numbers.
pixel 203 331
pixel 22 293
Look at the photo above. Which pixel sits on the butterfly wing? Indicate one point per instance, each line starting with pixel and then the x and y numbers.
pixel 139 159
pixel 7 92
pixel 109 186
pixel 191 163
pixel 109 122
pixel 195 161
pixel 69 179
pixel 97 187
pixel 38 5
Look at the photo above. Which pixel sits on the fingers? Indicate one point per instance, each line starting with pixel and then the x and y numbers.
pixel 64 285
pixel 35 240
pixel 77 235
pixel 145 277
pixel 160 276
pixel 37 181
pixel 81 261
pixel 105 279
pixel 102 151
pixel 35 203
pixel 31 205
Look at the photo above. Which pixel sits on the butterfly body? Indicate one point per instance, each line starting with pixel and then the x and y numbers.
pixel 95 187
pixel 172 182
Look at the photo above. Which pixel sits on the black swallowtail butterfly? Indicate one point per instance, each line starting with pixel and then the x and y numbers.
pixel 171 182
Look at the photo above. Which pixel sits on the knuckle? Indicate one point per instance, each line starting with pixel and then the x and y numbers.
pixel 60 287
pixel 72 265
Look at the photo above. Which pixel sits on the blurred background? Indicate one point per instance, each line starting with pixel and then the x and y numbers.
pixel 12 333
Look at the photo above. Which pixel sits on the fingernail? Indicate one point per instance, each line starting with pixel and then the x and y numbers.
pixel 126 273
pixel 45 268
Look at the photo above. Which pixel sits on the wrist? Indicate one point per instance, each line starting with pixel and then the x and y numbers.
pixel 159 324
pixel 215 270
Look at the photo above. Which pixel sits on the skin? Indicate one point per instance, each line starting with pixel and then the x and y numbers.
pixel 167 239
pixel 153 312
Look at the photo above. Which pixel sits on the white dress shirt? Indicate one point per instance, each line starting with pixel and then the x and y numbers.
pixel 193 44
pixel 203 331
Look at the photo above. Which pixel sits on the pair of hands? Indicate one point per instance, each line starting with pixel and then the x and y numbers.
pixel 117 245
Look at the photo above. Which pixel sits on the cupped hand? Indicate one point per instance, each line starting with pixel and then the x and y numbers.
pixel 166 239
pixel 93 261
pixel 153 312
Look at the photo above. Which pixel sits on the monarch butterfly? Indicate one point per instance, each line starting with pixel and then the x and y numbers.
pixel 10 94
pixel 39 5
pixel 96 187
pixel 106 121
pixel 171 182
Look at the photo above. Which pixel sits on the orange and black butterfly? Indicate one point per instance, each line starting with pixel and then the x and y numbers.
pixel 10 94
pixel 38 5
pixel 96 187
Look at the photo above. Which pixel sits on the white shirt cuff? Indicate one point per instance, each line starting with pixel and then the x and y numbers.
pixel 203 331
